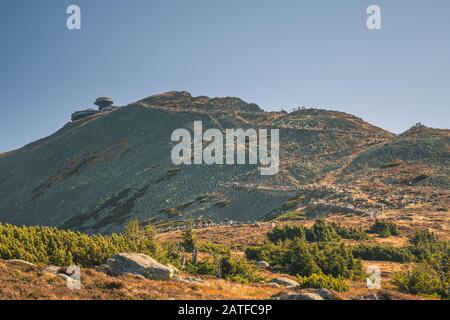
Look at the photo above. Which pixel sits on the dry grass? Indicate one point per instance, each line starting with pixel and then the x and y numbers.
pixel 409 221
pixel 22 282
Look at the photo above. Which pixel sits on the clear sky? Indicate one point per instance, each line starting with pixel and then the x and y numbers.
pixel 278 54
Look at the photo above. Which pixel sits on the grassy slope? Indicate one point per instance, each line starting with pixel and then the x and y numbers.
pixel 97 173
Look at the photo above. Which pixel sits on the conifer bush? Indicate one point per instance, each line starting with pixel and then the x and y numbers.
pixel 382 253
pixel 431 275
pixel 320 231
pixel 384 228
pixel 51 246
pixel 317 281
pixel 299 257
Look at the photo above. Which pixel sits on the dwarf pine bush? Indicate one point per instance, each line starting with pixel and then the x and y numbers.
pixel 317 281
pixel 423 279
pixel 229 267
pixel 46 245
pixel 431 276
pixel 382 253
pixel 299 257
pixel 384 228
pixel 320 231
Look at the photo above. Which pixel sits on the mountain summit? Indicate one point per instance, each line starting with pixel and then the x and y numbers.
pixel 98 172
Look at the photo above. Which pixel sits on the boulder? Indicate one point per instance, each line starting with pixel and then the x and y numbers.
pixel 285 282
pixel 299 296
pixel 371 296
pixel 325 293
pixel 105 268
pixel 262 264
pixel 138 263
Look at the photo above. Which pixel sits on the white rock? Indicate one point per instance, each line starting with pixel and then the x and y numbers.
pixel 284 282
pixel 325 293
pixel 299 296
pixel 138 263
pixel 262 264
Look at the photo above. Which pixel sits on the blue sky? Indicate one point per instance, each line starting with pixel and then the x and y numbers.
pixel 278 54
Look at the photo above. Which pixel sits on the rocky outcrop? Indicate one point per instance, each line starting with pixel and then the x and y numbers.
pixel 325 293
pixel 138 263
pixel 262 264
pixel 285 282
pixel 299 296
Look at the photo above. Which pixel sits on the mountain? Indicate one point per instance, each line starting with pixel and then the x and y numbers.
pixel 96 173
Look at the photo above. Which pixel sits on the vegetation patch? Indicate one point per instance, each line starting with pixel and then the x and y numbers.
pixel 318 281
pixel 51 246
pixel 431 276
pixel 320 231
pixel 302 251
pixel 382 253
pixel 384 228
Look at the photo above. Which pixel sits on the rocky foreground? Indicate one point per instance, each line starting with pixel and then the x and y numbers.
pixel 135 278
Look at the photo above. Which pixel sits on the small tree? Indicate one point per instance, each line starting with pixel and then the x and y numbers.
pixel 189 242
pixel 143 239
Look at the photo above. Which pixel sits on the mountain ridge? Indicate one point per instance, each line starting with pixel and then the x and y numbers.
pixel 96 173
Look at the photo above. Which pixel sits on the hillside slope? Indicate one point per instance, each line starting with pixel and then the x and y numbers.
pixel 97 173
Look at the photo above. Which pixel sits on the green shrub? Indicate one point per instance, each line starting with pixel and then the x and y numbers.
pixel 228 267
pixel 318 281
pixel 320 231
pixel 384 228
pixel 273 253
pixel 174 253
pixel 425 280
pixel 431 277
pixel 286 233
pixel 189 242
pixel 382 253
pixel 46 245
pixel 237 269
pixel 255 253
pixel 298 257
pixel 350 233
pixel 212 248
pixel 205 267
pixel 426 246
